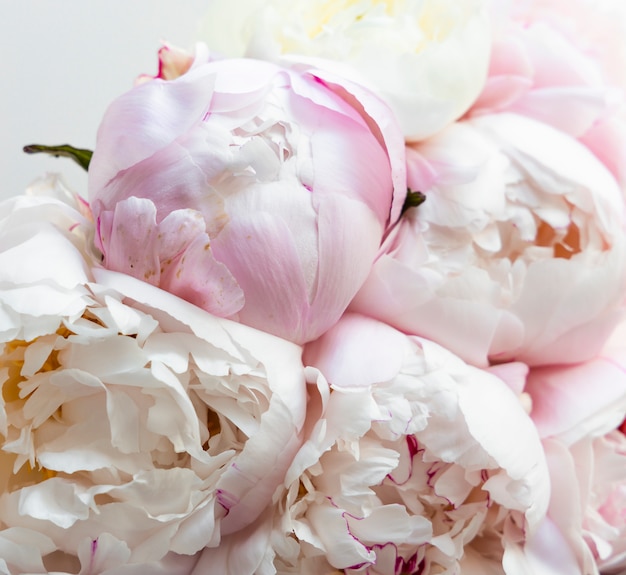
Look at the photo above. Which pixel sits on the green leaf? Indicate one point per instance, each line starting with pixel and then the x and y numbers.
pixel 81 156
pixel 413 199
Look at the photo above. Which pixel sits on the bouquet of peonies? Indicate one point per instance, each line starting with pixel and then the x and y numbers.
pixel 346 294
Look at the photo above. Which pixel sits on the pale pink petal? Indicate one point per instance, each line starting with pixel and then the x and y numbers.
pixel 131 239
pixel 607 140
pixel 358 352
pixel 590 397
pixel 500 93
pixel 157 124
pixel 383 124
pixel 513 374
pixel 196 276
pixel 278 298
pixel 572 110
pixel 546 553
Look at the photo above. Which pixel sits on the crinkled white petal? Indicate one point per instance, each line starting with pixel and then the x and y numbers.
pixel 21 550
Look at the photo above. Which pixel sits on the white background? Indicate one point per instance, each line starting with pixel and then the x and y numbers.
pixel 62 62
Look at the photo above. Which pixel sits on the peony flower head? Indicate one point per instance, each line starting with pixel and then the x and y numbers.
pixel 401 470
pixel 579 411
pixel 518 252
pixel 134 427
pixel 255 192
pixel 562 62
pixel 426 58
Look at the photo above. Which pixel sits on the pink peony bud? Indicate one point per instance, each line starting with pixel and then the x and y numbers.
pixel 255 192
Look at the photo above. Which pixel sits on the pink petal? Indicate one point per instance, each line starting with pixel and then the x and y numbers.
pixel 574 400
pixel 383 124
pixel 500 93
pixel 199 278
pixel 358 352
pixel 572 110
pixel 277 299
pixel 173 108
pixel 129 240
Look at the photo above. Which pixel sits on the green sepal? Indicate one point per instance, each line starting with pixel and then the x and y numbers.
pixel 413 199
pixel 81 156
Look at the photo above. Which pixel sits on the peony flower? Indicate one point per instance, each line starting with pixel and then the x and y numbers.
pixel 135 428
pixel 427 59
pixel 414 462
pixel 562 62
pixel 579 412
pixel 517 253
pixel 255 192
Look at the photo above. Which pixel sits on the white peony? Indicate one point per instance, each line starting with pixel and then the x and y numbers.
pixel 134 427
pixel 518 252
pixel 414 462
pixel 427 58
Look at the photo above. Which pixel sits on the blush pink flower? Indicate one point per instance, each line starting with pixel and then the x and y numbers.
pixel 414 462
pixel 255 192
pixel 562 62
pixel 579 412
pixel 518 252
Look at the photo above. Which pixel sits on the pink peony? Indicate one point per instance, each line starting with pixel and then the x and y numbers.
pixel 258 193
pixel 562 62
pixel 518 252
pixel 579 412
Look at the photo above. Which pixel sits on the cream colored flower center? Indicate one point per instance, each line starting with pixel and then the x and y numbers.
pixel 435 19
pixel 12 363
pixel 27 475
pixel 419 483
pixel 323 15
